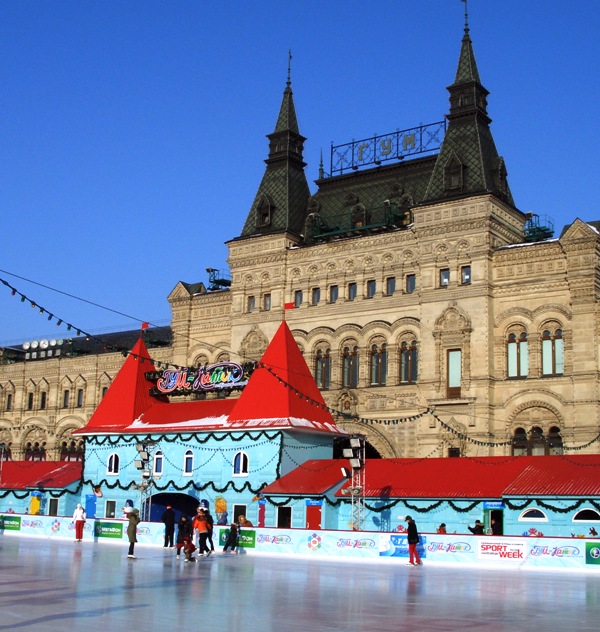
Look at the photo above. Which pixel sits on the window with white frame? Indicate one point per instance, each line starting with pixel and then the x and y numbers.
pixel 517 355
pixel 188 463
pixel 533 515
pixel 112 466
pixel 586 515
pixel 158 463
pixel 240 464
pixel 553 352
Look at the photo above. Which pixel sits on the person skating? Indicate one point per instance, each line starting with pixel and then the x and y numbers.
pixel 413 540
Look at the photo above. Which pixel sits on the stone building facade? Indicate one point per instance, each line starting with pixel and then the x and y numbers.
pixel 417 285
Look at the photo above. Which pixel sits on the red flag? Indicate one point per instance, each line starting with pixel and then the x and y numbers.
pixel 145 325
pixel 289 306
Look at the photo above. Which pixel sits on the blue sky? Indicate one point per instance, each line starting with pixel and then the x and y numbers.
pixel 132 134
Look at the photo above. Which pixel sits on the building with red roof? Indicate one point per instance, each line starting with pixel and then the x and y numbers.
pixel 553 495
pixel 143 448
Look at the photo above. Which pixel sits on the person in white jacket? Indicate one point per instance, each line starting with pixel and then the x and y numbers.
pixel 79 520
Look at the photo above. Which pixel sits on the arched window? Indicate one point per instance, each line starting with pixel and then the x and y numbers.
pixel 535 443
pixel 5 452
pixel 188 463
pixel 240 464
pixel 158 463
pixel 35 451
pixel 350 367
pixel 113 464
pixel 517 355
pixel 553 352
pixel 71 451
pixel 408 362
pixel 534 515
pixel 555 442
pixel 519 446
pixel 587 515
pixel 378 361
pixel 323 368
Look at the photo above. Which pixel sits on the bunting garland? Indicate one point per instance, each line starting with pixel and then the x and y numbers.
pixel 340 414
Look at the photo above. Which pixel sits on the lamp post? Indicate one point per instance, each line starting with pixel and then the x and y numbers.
pixel 356 457
pixel 144 464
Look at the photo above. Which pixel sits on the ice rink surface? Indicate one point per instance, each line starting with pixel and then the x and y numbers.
pixel 59 585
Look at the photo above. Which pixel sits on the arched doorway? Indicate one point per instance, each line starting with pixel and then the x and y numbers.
pixel 181 503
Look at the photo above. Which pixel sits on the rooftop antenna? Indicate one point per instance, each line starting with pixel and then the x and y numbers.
pixel 289 73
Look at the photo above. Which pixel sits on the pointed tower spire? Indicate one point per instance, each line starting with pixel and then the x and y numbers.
pixel 281 200
pixel 128 396
pixel 294 398
pixel 468 162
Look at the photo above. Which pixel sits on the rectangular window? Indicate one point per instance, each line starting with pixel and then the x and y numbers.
pixel 351 291
pixel 30 401
pixel 43 400
pixel 411 283
pixel 53 507
pixel 66 397
pixel 297 298
pixel 454 453
pixel 315 296
pixel 517 356
pixel 465 275
pixel 333 293
pixel 110 509
pixel 251 304
pixel 267 302
pixel 239 510
pixel 390 286
pixel 9 402
pixel 444 277
pixel 371 288
pixel 284 517
pixel 454 376
pixel 79 398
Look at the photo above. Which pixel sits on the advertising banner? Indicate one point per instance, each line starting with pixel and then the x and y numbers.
pixel 451 548
pixel 246 538
pixel 396 545
pixel 103 529
pixel 592 552
pixel 506 551
pixel 10 523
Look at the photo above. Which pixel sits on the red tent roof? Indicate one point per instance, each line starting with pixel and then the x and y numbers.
pixel 39 474
pixel 127 397
pixel 282 392
pixel 312 477
pixel 198 415
pixel 485 477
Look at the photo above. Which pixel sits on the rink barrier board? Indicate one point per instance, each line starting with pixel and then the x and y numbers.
pixel 508 552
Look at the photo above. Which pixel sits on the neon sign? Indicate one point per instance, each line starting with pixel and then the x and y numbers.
pixel 207 378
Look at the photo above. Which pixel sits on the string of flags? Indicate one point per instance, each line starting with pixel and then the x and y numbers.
pixel 344 415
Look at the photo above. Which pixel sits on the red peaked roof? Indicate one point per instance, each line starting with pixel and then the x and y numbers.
pixel 485 477
pixel 282 391
pixel 198 415
pixel 271 399
pixel 315 477
pixel 127 397
pixel 40 474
